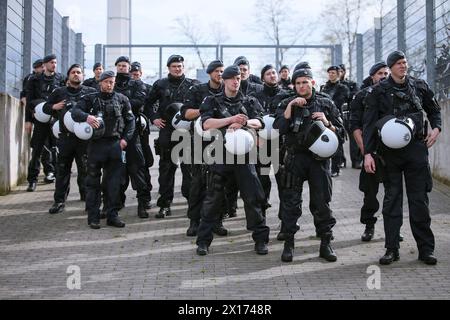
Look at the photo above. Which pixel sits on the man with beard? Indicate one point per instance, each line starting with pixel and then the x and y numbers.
pixel 191 112
pixel 167 91
pixel 94 82
pixel 135 168
pixel 39 88
pixel 70 147
pixel 294 115
pixel 249 83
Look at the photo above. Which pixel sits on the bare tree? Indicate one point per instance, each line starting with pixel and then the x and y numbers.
pixel 191 31
pixel 278 22
pixel 219 33
pixel 343 18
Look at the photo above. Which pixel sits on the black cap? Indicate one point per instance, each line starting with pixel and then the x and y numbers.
pixel 106 75
pixel 342 67
pixel 49 58
pixel 241 61
pixel 302 65
pixel 301 73
pixel 75 65
pixel 38 63
pixel 377 66
pixel 174 58
pixel 394 57
pixel 284 67
pixel 97 65
pixel 231 72
pixel 213 66
pixel 122 59
pixel 265 69
pixel 136 66
pixel 333 68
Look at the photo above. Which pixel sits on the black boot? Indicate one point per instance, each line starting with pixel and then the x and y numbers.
pixel 163 212
pixel 428 258
pixel 220 230
pixel 202 249
pixel 326 251
pixel 261 248
pixel 193 227
pixel 368 233
pixel 32 186
pixel 57 208
pixel 116 222
pixel 142 212
pixel 148 205
pixel 281 236
pixel 288 252
pixel 390 256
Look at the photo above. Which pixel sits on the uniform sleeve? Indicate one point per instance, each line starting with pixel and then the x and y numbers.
pixel 54 98
pixel 281 123
pixel 336 120
pixel 80 111
pixel 207 110
pixel 129 120
pixel 431 107
pixel 255 110
pixel 370 117
pixel 191 101
pixel 32 99
pixel 151 109
pixel 356 112
pixel 138 99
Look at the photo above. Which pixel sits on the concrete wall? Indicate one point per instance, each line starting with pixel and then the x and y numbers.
pixel 440 153
pixel 14 144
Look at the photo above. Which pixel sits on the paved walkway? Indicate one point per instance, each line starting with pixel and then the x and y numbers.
pixel 153 259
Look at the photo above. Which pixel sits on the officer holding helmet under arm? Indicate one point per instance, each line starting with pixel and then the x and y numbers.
pixel 394 109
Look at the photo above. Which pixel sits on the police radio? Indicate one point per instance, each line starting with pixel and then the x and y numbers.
pixel 300 119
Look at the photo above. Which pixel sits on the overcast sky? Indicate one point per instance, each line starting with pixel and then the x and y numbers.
pixel 153 21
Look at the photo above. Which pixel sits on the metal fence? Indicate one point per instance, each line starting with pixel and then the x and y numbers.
pixel 153 57
pixel 419 28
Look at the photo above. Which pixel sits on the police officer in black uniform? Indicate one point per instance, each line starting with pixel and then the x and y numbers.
pixel 340 94
pixel 249 82
pixel 69 146
pixel 167 91
pixel 110 113
pixel 368 183
pixel 232 110
pixel 285 81
pixel 94 82
pixel 39 88
pixel 355 153
pixel 266 98
pixel 293 117
pixel 403 96
pixel 191 112
pixel 135 168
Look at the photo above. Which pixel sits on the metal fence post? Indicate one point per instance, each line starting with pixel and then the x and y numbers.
pixel 98 53
pixel 338 54
pixel 27 29
pixel 160 62
pixel 49 7
pixel 359 58
pixel 401 26
pixel 65 44
pixel 378 40
pixel 3 37
pixel 431 43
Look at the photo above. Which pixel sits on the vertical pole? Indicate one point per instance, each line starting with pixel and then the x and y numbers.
pixel 160 62
pixel 401 26
pixel 431 43
pixel 359 58
pixel 378 40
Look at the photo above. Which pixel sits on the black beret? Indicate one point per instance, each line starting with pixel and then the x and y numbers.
pixel 49 58
pixel 333 68
pixel 342 67
pixel 97 65
pixel 377 66
pixel 265 69
pixel 122 59
pixel 38 63
pixel 302 65
pixel 231 72
pixel 301 73
pixel 241 61
pixel 136 66
pixel 284 67
pixel 213 66
pixel 394 57
pixel 174 58
pixel 76 65
pixel 106 75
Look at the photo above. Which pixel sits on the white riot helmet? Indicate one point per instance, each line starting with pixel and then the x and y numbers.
pixel 321 141
pixel 239 142
pixel 199 130
pixel 143 122
pixel 268 133
pixel 178 123
pixel 396 133
pixel 56 130
pixel 40 115
pixel 84 131
pixel 68 121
